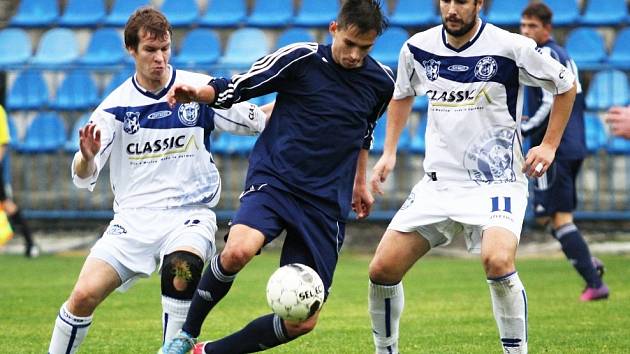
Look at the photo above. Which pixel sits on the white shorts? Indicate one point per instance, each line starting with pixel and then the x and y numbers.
pixel 439 211
pixel 136 241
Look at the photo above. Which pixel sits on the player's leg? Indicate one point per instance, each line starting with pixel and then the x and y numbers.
pixel 96 281
pixel 17 221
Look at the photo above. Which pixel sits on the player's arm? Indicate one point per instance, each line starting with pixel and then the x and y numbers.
pixel 362 199
pixel 95 143
pixel 243 118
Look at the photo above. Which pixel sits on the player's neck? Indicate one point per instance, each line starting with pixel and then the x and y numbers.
pixel 153 86
pixel 460 41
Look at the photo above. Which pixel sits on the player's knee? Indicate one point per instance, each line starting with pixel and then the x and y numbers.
pixel 181 271
pixel 382 271
pixel 82 302
pixel 296 329
pixel 235 258
pixel 497 264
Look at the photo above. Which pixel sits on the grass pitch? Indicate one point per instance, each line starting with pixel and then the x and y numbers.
pixel 447 308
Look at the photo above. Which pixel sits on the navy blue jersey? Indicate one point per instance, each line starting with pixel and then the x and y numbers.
pixel 323 116
pixel 538 101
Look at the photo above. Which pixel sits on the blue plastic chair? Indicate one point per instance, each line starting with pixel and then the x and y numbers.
pixel 608 88
pixel 83 13
pixel 77 91
pixel 57 47
pixel 420 104
pixel 586 47
pixel 15 47
pixel 294 35
pixel 29 91
pixel 387 46
pixel 35 13
pixel 618 146
pixel 118 78
pixel 506 13
pixel 595 132
pixel 245 46
pixel 106 48
pixel 275 13
pixel 418 143
pixel 13 133
pixel 412 13
pixel 565 12
pixel 199 47
pixel 45 134
pixel 620 54
pixel 316 13
pixel 222 13
pixel 72 144
pixel 181 13
pixel 121 9
pixel 378 136
pixel 604 13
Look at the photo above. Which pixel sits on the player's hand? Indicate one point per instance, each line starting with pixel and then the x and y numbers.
pixel 362 201
pixel 538 160
pixel 181 93
pixel 381 170
pixel 618 118
pixel 89 141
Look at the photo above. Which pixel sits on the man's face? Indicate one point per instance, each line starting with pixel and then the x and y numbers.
pixel 349 46
pixel 152 57
pixel 459 16
pixel 533 28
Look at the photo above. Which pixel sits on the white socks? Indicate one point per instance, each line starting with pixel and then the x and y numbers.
pixel 509 304
pixel 69 332
pixel 386 303
pixel 174 313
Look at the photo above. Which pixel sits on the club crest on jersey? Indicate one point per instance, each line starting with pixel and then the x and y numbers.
pixel 188 113
pixel 131 125
pixel 432 69
pixel 490 158
pixel 486 68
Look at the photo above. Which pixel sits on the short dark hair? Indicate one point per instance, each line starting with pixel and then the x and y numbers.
pixel 366 15
pixel 539 11
pixel 148 19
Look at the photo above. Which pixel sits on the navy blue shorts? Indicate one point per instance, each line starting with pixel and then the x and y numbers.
pixel 555 190
pixel 313 237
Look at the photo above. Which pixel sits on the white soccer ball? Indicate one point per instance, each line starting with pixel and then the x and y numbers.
pixel 295 292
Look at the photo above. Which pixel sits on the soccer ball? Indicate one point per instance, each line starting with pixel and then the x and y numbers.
pixel 295 292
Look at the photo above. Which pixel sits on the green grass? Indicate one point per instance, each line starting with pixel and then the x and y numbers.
pixel 447 308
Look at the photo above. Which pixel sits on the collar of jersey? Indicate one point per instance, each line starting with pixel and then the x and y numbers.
pixel 162 92
pixel 467 45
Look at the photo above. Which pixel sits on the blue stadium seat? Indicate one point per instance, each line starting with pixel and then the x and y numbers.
pixel 620 54
pixel 387 46
pixel 35 13
pixel 198 47
pixel 224 13
pixel 595 132
pixel 316 13
pixel 294 35
pixel 565 13
pixel 417 143
pixel 121 9
pixel 244 47
pixel 83 13
pixel 586 47
pixel 46 133
pixel 105 48
pixel 118 78
pixel 378 142
pixel 617 145
pixel 263 100
pixel 72 144
pixel 77 91
pixel 276 13
pixel 607 88
pixel 29 91
pixel 57 47
pixel 411 13
pixel 420 104
pixel 229 144
pixel 15 47
pixel 13 132
pixel 181 13
pixel 604 13
pixel 506 13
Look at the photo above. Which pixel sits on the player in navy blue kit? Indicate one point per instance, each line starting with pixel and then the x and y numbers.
pixel 554 192
pixel 307 169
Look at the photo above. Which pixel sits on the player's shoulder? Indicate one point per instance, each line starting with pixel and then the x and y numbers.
pixel 425 38
pixel 500 37
pixel 192 78
pixel 298 49
pixel 119 96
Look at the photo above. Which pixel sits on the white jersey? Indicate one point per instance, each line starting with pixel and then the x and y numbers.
pixel 157 154
pixel 475 99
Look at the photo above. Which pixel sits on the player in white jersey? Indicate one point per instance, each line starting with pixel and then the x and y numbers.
pixel 475 184
pixel 164 183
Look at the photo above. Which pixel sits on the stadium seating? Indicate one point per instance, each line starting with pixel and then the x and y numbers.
pixel 294 35
pixel 121 9
pixel 45 134
pixel 72 144
pixel 378 142
pixel 506 13
pixel 565 12
pixel 607 88
pixel 417 141
pixel 83 13
pixel 29 91
pixel 36 13
pixel 117 79
pixel 13 132
pixel 277 13
pixel 181 13
pixel 420 104
pixel 224 13
pixel 387 46
pixel 57 47
pixel 618 146
pixel 620 54
pixel 230 144
pixel 199 47
pixel 413 13
pixel 106 48
pixel 595 132
pixel 245 46
pixel 15 47
pixel 605 13
pixel 586 47
pixel 77 91
pixel 316 13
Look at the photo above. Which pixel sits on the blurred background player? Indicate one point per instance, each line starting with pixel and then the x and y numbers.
pixel 164 183
pixel 555 196
pixel 475 185
pixel 307 169
pixel 31 250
